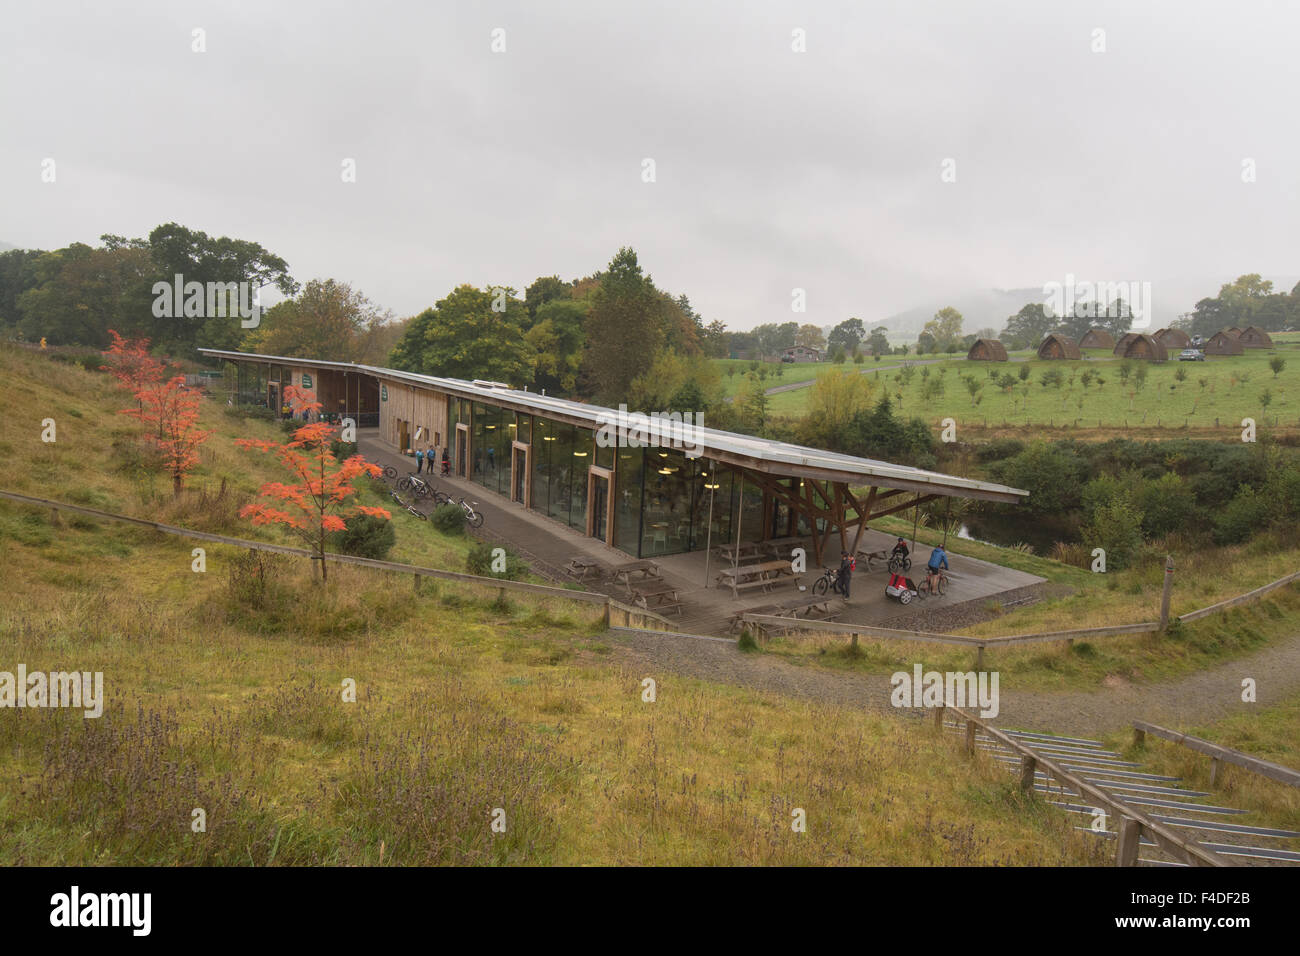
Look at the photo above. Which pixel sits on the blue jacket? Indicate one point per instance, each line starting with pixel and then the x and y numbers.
pixel 939 557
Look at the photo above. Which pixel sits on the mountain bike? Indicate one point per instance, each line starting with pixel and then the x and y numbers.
pixel 474 518
pixel 898 563
pixel 829 581
pixel 390 472
pixel 409 508
pixel 940 583
pixel 416 484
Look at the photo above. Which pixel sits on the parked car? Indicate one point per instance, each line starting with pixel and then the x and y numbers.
pixel 787 358
pixel 1191 355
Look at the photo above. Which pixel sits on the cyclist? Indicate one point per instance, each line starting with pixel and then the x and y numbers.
pixel 419 460
pixel 900 549
pixel 938 559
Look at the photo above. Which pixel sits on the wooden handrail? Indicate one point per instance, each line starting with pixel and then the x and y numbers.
pixel 1185 851
pixel 1265 768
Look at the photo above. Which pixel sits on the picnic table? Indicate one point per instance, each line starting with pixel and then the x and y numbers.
pixel 644 569
pixel 658 596
pixel 781 547
pixel 869 556
pixel 734 552
pixel 746 576
pixel 790 609
pixel 583 568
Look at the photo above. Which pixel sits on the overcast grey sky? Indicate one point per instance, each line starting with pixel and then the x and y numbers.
pixel 775 169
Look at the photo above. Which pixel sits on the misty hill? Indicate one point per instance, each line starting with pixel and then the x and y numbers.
pixel 1170 298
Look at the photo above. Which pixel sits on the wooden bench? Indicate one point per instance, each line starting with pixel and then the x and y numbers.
pixel 583 568
pixel 746 576
pixel 731 552
pixel 648 570
pixel 764 609
pixel 782 547
pixel 869 556
pixel 664 595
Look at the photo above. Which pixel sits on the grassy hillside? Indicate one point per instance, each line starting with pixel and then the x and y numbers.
pixel 224 693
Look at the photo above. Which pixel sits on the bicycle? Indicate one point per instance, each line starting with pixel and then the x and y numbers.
pixel 409 508
pixel 829 581
pixel 899 562
pixel 390 472
pixel 473 517
pixel 940 583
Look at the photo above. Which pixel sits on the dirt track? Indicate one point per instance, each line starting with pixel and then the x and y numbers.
pixel 1195 699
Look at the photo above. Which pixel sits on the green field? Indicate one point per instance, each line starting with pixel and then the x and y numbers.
pixel 1225 389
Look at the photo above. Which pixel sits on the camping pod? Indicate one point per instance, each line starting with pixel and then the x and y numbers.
pixel 1097 339
pixel 987 350
pixel 1057 346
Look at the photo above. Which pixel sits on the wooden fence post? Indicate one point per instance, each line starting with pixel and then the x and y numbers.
pixel 970 736
pixel 938 717
pixel 1216 767
pixel 1164 596
pixel 1130 831
pixel 1139 736
pixel 1028 765
pixel 979 658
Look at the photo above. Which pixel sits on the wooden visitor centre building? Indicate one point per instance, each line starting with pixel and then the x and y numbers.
pixel 646 485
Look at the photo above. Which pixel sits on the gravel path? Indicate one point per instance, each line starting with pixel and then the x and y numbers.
pixel 1195 699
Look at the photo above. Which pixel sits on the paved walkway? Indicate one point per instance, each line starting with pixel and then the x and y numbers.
pixel 1195 699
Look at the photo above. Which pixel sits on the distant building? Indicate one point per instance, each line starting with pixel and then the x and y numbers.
pixel 1057 346
pixel 1097 339
pixel 802 353
pixel 1122 345
pixel 1173 339
pixel 987 350
pixel 1254 337
pixel 1144 347
pixel 1223 343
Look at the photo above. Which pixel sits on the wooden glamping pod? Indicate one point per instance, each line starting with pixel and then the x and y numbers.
pixel 1097 339
pixel 1173 339
pixel 1057 346
pixel 987 350
pixel 1223 343
pixel 1254 337
pixel 1122 345
pixel 1145 347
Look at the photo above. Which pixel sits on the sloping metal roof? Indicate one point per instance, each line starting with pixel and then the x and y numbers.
pixel 748 450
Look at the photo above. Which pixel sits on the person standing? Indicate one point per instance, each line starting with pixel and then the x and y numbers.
pixel 419 459
pixel 845 575
pixel 446 461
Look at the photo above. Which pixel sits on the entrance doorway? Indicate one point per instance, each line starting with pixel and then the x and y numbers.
pixel 600 506
pixel 403 436
pixel 462 448
pixel 519 483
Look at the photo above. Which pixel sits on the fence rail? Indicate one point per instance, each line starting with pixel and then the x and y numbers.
pixel 1132 824
pixel 1219 754
pixel 981 643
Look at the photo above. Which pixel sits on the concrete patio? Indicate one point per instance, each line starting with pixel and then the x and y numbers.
pixel 707 609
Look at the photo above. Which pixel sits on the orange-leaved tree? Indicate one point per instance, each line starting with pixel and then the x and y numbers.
pixel 166 406
pixel 171 411
pixel 129 361
pixel 319 499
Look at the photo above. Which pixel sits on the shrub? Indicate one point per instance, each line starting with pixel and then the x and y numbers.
pixel 366 536
pixel 343 450
pixel 746 641
pixel 1116 526
pixel 1249 511
pixel 480 558
pixel 448 518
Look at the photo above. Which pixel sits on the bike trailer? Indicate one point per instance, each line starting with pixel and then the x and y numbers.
pixel 902 588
